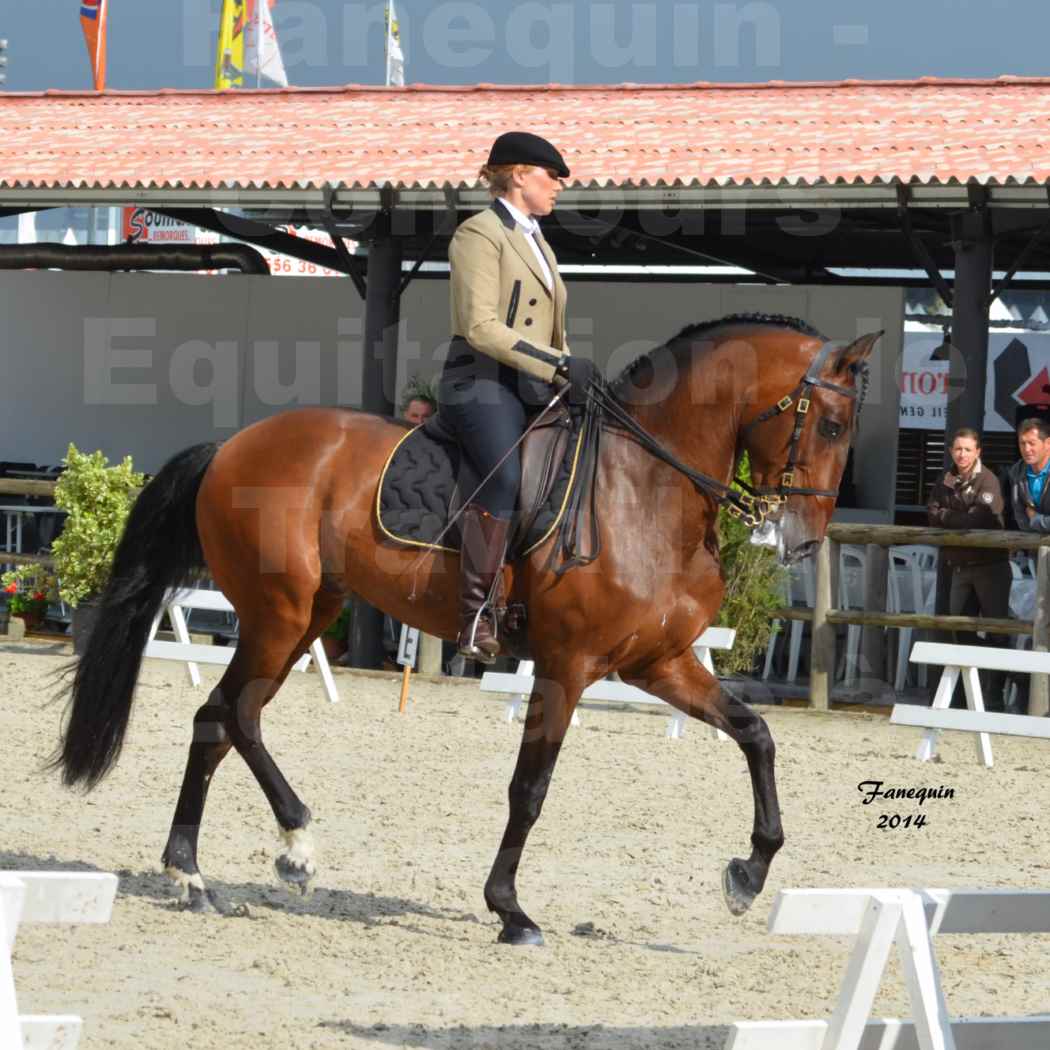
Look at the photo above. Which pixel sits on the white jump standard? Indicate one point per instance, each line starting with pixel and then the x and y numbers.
pixel 51 897
pixel 878 918
pixel 183 649
pixel 964 661
pixel 519 685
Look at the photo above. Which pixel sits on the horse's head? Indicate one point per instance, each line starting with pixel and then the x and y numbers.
pixel 798 446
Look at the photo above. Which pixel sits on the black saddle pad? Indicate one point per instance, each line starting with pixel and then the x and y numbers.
pixel 418 487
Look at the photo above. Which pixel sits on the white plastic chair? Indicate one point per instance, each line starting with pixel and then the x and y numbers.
pixel 799 589
pixel 1022 572
pixel 912 589
pixel 852 560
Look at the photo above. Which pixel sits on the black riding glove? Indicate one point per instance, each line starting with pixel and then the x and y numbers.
pixel 578 372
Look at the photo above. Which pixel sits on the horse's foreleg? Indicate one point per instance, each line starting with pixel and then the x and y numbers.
pixel 689 687
pixel 550 710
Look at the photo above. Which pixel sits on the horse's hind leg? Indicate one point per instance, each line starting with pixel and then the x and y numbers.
pixel 231 718
pixel 688 686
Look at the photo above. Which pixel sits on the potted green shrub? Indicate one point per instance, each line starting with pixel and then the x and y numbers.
pixel 754 591
pixel 97 499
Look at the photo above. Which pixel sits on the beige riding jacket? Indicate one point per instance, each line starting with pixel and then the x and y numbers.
pixel 501 304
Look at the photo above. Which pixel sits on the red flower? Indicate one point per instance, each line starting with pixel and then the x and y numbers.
pixel 39 596
pixel 11 588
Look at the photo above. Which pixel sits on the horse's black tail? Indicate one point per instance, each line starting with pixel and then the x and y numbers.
pixel 160 549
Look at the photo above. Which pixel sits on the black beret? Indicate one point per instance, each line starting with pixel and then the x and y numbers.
pixel 521 147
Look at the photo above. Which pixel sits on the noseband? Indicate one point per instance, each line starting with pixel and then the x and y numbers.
pixel 753 505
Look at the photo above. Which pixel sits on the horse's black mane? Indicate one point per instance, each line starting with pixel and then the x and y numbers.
pixel 692 330
pixel 777 320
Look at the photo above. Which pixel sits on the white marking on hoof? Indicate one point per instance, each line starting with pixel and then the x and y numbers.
pixel 296 865
pixel 183 882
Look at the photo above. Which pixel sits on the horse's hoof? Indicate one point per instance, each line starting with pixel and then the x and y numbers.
pixel 295 867
pixel 296 875
pixel 519 935
pixel 737 887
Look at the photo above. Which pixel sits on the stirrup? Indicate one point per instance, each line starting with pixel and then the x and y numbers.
pixel 469 649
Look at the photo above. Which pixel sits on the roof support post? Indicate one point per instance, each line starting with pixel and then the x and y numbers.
pixel 968 370
pixel 378 389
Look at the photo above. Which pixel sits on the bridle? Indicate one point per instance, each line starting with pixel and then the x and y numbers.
pixel 753 504
pixel 800 397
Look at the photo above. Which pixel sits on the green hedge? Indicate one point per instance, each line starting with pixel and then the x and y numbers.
pixel 754 585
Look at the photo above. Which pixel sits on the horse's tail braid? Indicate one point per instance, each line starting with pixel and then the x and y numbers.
pixel 160 549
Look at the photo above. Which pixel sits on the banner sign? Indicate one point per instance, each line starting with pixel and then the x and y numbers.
pixel 1018 374
pixel 923 382
pixel 146 227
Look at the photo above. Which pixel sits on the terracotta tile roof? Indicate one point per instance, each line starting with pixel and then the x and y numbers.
pixel 924 131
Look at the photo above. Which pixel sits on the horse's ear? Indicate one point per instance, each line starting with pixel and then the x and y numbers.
pixel 850 358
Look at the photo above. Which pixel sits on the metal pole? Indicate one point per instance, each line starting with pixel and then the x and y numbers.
pixel 822 651
pixel 378 380
pixel 382 314
pixel 1038 692
pixel 968 369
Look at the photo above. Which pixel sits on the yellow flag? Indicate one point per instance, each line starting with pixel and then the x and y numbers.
pixel 229 58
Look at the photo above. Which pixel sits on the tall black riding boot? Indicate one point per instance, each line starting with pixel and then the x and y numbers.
pixel 484 545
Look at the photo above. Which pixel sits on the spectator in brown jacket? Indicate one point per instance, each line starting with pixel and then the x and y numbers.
pixel 969 496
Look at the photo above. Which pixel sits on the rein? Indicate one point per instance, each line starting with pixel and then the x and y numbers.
pixel 754 504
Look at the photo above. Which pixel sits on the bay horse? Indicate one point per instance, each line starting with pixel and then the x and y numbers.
pixel 282 517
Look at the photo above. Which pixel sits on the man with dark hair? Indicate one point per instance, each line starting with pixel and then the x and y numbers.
pixel 1029 491
pixel 1030 496
pixel 968 496
pixel 417 408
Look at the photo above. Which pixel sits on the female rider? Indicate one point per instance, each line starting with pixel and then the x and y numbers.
pixel 507 357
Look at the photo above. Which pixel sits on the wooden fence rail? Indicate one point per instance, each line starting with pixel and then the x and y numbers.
pixel 877 539
pixel 19 487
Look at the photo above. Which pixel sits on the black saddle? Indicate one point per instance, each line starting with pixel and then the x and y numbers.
pixel 427 479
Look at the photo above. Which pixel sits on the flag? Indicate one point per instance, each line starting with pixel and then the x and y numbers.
pixel 395 59
pixel 229 58
pixel 262 54
pixel 93 23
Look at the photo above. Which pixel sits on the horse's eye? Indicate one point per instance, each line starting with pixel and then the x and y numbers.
pixel 829 429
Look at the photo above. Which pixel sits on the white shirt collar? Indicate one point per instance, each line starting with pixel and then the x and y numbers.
pixel 529 224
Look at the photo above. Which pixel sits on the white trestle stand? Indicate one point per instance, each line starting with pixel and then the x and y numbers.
pixel 54 897
pixel 192 654
pixel 965 661
pixel 878 919
pixel 519 685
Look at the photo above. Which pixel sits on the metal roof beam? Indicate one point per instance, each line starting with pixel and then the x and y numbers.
pixel 431 198
pixel 922 253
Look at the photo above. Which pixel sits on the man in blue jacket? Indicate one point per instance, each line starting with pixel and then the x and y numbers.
pixel 1029 491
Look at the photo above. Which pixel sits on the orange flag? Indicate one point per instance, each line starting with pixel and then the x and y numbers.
pixel 93 22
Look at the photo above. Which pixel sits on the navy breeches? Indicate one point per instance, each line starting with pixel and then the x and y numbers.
pixel 489 407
